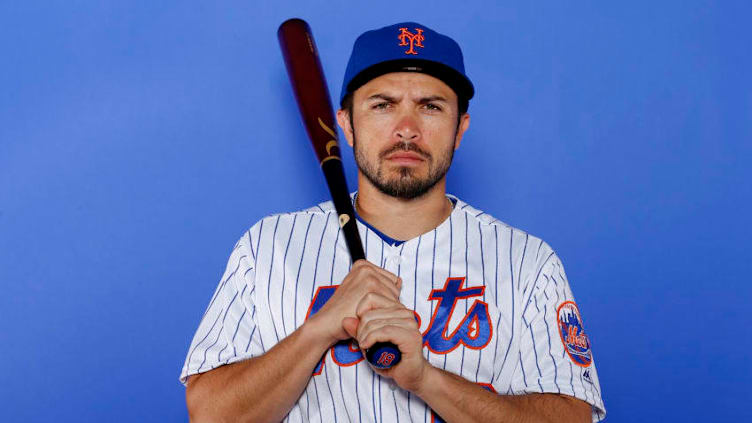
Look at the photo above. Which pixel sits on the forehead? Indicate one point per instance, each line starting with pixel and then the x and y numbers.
pixel 411 84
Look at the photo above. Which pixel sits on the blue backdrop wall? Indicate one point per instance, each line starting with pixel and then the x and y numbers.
pixel 138 140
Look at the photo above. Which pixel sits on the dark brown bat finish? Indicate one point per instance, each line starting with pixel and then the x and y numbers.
pixel 309 84
pixel 311 92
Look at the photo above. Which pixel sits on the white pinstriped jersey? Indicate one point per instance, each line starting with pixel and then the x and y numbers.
pixel 494 306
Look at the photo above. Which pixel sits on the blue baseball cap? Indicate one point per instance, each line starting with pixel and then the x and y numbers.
pixel 406 47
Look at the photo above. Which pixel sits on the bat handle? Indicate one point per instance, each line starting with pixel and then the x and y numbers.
pixel 381 355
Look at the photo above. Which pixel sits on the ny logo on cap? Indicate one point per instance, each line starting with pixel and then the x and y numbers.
pixel 415 39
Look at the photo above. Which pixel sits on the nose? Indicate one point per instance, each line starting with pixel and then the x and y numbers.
pixel 407 128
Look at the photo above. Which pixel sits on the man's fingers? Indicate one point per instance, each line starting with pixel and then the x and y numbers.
pixel 395 331
pixel 380 322
pixel 350 325
pixel 365 269
pixel 389 275
pixel 364 280
pixel 391 286
pixel 372 301
pixel 379 283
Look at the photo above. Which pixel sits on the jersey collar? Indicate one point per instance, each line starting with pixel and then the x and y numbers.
pixel 384 237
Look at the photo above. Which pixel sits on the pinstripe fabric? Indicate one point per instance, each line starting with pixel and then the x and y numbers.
pixel 274 271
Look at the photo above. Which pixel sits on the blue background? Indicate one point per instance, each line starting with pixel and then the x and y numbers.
pixel 138 140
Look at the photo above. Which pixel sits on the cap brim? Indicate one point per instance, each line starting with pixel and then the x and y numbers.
pixel 455 80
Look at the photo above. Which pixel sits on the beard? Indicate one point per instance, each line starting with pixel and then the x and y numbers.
pixel 405 184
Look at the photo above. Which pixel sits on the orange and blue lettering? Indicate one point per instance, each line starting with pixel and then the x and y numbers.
pixel 474 331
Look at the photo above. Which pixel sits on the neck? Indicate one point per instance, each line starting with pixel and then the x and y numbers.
pixel 399 218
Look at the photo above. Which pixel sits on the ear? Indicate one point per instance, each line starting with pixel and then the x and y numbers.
pixel 343 120
pixel 464 124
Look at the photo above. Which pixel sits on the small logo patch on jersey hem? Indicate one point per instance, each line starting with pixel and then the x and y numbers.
pixel 586 376
pixel 572 333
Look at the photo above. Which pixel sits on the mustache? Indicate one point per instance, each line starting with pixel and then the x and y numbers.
pixel 405 146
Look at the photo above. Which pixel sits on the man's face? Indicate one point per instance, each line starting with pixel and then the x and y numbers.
pixel 404 132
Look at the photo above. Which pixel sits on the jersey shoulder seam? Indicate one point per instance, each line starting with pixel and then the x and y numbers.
pixel 489 220
pixel 322 209
pixel 485 218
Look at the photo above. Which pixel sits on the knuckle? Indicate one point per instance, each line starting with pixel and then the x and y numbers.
pixel 390 330
pixel 367 340
pixel 375 285
pixel 363 265
pixel 359 264
pixel 370 297
pixel 358 268
pixel 410 322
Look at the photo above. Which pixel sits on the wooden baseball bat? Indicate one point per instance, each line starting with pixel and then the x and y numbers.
pixel 311 92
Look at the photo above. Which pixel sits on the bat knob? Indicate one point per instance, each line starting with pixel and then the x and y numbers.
pixel 383 355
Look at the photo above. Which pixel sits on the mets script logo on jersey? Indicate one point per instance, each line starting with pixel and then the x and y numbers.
pixel 573 335
pixel 474 331
pixel 413 40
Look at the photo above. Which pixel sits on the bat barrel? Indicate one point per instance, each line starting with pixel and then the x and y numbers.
pixel 309 85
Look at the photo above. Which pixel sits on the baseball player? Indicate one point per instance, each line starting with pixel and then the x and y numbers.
pixel 482 312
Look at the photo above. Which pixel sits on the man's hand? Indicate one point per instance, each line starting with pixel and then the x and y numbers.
pixel 381 319
pixel 365 286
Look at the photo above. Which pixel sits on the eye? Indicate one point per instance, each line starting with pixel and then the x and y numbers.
pixel 381 106
pixel 433 107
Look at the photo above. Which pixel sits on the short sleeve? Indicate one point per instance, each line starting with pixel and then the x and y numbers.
pixel 227 332
pixel 555 354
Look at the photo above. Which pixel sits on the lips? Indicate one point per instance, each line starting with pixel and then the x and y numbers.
pixel 405 156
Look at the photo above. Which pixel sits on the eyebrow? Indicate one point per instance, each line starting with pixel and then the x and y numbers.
pixel 422 100
pixel 382 97
pixel 429 99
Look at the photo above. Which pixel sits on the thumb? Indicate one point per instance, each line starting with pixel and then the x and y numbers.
pixel 350 325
